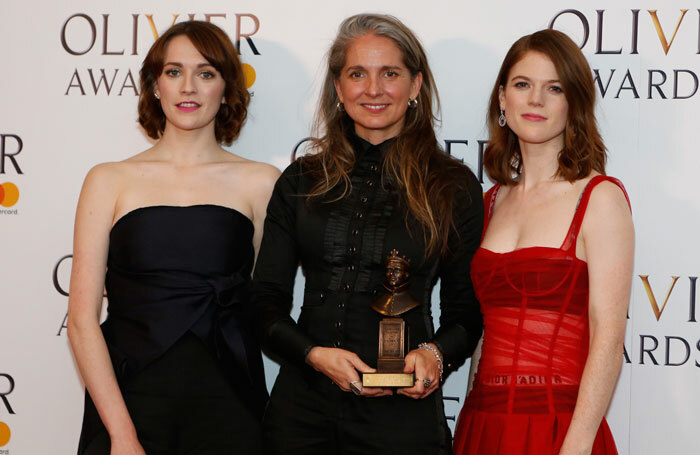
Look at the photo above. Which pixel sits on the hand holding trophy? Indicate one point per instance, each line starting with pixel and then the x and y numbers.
pixel 393 333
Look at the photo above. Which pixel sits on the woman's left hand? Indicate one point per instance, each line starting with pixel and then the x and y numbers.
pixel 425 367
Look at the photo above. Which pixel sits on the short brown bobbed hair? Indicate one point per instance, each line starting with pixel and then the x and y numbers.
pixel 216 47
pixel 583 150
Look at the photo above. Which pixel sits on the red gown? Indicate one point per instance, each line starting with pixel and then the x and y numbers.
pixel 536 335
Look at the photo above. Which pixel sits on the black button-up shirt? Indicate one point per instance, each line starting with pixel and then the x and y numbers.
pixel 342 248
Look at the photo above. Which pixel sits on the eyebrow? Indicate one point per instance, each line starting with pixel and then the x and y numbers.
pixel 180 65
pixel 551 81
pixel 387 67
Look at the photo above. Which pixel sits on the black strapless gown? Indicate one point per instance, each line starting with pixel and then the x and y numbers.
pixel 179 333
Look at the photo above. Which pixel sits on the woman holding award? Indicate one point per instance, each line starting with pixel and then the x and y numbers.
pixel 375 215
pixel 554 269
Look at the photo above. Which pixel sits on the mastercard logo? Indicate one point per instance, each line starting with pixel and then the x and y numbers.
pixel 9 194
pixel 249 74
pixel 4 434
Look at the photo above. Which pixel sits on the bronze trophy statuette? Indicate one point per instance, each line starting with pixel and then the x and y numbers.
pixel 393 335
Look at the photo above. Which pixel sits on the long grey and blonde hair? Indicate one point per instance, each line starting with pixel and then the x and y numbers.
pixel 415 161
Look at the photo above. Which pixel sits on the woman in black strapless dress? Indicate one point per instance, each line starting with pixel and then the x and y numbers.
pixel 175 368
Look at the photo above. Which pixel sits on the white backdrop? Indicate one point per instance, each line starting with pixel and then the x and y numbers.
pixel 58 118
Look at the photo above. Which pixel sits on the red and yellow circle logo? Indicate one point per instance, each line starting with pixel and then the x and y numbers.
pixel 4 434
pixel 9 195
pixel 249 75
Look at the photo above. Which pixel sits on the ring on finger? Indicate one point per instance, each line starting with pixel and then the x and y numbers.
pixel 356 387
pixel 427 382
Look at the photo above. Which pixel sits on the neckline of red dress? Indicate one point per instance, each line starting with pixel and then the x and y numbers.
pixel 537 247
pixel 572 226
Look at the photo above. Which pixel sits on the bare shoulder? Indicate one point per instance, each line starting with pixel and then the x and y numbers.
pixel 147 155
pixel 260 176
pixel 608 213
pixel 105 170
pixel 98 198
pixel 264 170
pixel 101 190
pixel 608 196
pixel 105 176
pixel 124 168
pixel 258 180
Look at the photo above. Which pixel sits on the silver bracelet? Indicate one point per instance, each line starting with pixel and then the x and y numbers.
pixel 436 353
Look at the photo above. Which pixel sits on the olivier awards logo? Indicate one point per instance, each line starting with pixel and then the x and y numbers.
pixel 667 349
pixel 10 146
pixel 658 30
pixel 114 37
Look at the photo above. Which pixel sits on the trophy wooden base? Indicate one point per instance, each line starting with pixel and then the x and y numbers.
pixel 387 379
pixel 390 363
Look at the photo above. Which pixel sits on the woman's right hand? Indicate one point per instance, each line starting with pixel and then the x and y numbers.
pixel 343 368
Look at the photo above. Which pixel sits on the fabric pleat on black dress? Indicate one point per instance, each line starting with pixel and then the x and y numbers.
pixel 179 332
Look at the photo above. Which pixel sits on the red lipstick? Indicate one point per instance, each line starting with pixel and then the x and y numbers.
pixel 534 117
pixel 187 106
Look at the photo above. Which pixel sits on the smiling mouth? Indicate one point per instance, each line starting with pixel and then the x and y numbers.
pixel 187 106
pixel 375 107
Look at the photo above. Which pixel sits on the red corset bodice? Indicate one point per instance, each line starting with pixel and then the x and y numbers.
pixel 535 344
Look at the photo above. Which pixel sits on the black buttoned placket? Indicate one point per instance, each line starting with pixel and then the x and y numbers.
pixel 361 199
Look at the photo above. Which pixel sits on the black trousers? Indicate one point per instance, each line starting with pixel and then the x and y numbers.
pixel 181 404
pixel 309 415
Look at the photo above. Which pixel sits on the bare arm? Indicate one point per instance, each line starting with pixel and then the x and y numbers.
pixel 90 245
pixel 608 237
pixel 474 366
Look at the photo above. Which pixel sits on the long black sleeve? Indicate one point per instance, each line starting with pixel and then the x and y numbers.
pixel 275 270
pixel 461 322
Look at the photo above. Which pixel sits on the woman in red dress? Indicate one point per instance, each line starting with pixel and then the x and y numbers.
pixel 554 269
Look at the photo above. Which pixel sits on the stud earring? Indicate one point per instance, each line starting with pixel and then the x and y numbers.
pixel 413 103
pixel 339 106
pixel 156 95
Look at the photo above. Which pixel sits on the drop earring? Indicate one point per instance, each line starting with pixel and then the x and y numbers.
pixel 502 119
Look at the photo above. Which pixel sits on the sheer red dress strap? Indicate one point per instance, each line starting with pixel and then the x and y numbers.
pixel 583 204
pixel 489 201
